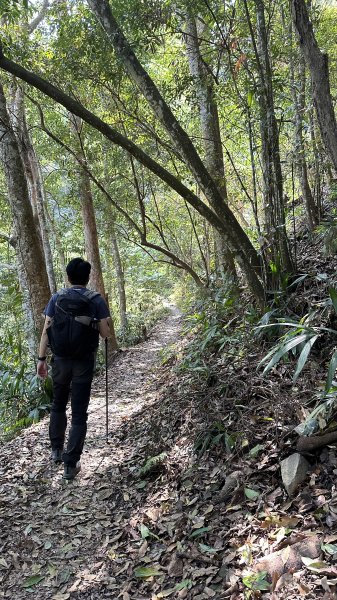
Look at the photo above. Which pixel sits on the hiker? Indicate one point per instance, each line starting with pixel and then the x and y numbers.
pixel 74 318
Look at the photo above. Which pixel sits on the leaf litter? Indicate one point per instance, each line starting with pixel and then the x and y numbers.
pixel 150 515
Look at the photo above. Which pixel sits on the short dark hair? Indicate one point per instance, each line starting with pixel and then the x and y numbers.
pixel 78 271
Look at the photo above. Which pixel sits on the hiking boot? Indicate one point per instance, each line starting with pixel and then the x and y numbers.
pixel 56 456
pixel 71 472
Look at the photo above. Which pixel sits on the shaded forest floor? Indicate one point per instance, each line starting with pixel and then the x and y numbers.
pixel 150 518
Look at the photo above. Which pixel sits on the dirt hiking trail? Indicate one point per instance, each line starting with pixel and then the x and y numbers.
pixel 82 539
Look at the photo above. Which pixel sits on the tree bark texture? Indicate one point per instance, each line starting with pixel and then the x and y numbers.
pixel 28 325
pixel 271 163
pixel 250 265
pixel 34 179
pixel 319 70
pixel 298 93
pixel 210 130
pixel 28 242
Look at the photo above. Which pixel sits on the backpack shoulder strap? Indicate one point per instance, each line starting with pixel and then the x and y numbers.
pixel 90 294
pixel 60 293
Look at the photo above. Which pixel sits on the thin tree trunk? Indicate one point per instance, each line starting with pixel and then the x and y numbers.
pixel 210 129
pixel 28 242
pixel 34 179
pixel 89 223
pixel 58 247
pixel 317 163
pixel 271 163
pixel 319 69
pixel 297 84
pixel 28 325
pixel 120 280
pixel 312 211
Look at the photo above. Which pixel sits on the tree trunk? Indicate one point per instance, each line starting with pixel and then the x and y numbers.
pixel 317 162
pixel 89 223
pixel 235 236
pixel 58 247
pixel 210 130
pixel 271 163
pixel 319 69
pixel 28 325
pixel 34 179
pixel 120 281
pixel 28 242
pixel 298 93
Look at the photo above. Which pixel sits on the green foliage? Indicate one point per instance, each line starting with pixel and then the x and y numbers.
pixel 210 324
pixel 152 465
pixel 139 325
pixel 24 398
pixel 215 435
pixel 256 581
pixel 328 232
pixel 299 340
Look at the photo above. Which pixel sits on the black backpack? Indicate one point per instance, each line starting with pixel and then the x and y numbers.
pixel 73 333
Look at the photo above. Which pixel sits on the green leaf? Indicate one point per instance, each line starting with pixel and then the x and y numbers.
pixel 144 572
pixel 200 531
pixel 186 583
pixel 329 548
pixel 141 485
pixel 251 494
pixel 333 296
pixel 33 580
pixel 284 349
pixel 145 532
pixel 255 451
pixel 314 564
pixel 250 96
pixel 303 356
pixel 208 549
pixel 256 581
pixel 331 371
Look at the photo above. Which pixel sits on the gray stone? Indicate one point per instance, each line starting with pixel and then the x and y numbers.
pixel 293 471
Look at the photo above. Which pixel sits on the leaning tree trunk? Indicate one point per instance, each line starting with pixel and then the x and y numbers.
pixel 89 223
pixel 210 130
pixel 28 241
pixel 34 178
pixel 238 241
pixel 242 248
pixel 319 70
pixel 271 162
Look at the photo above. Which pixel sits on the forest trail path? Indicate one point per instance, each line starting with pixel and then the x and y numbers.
pixel 59 539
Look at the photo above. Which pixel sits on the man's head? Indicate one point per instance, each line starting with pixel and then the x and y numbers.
pixel 78 271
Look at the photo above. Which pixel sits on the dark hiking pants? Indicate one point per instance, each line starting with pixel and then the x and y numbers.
pixel 77 375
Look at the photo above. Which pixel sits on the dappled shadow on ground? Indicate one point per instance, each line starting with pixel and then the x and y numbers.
pixel 177 531
pixel 57 537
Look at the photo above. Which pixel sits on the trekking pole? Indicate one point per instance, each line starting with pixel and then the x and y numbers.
pixel 106 393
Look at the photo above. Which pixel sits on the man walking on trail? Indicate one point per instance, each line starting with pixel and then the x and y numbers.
pixel 75 317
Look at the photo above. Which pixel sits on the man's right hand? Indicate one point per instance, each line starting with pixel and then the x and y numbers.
pixel 42 369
